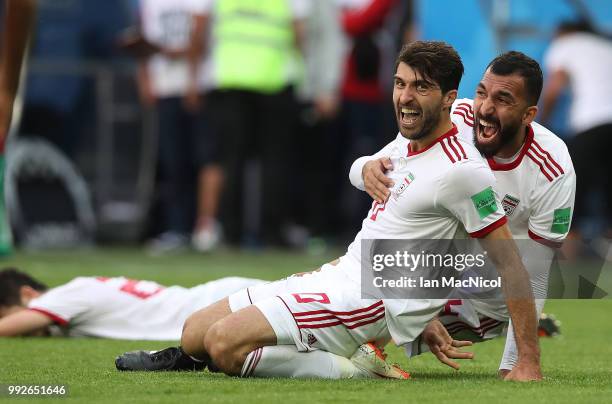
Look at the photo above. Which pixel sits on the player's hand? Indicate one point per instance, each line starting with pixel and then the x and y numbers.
pixel 376 183
pixel 192 100
pixel 443 346
pixel 525 372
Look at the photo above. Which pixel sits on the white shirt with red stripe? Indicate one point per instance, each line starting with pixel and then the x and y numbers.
pixel 537 186
pixel 124 308
pixel 432 197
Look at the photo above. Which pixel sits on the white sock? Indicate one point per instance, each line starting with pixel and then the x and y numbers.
pixel 287 361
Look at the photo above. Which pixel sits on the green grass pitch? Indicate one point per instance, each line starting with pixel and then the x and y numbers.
pixel 577 365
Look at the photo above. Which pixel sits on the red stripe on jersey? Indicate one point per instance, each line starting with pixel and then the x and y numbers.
pixel 549 156
pixel 339 313
pixel 336 323
pixel 544 160
pixel 456 325
pixel 343 320
pixel 540 165
pixel 465 119
pixel 458 143
pixel 468 106
pixel 453 131
pixel 544 241
pixel 495 166
pixel 56 319
pixel 453 148
pixel 447 153
pixel 488 229
pixel 468 111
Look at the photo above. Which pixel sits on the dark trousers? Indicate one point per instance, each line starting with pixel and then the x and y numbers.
pixel 185 145
pixel 590 151
pixel 254 125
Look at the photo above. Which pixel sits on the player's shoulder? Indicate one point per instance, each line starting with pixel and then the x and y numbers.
pixel 462 112
pixel 549 153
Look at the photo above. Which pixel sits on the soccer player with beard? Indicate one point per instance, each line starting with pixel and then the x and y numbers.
pixel 534 175
pixel 314 325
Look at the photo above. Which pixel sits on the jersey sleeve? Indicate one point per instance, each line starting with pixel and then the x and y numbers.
pixel 64 303
pixel 407 318
pixel 357 166
pixel 468 193
pixel 553 206
pixel 462 115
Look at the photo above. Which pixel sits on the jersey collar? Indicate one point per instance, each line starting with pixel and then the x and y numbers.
pixel 495 166
pixel 453 131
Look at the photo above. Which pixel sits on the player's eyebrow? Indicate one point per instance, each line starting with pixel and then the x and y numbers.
pixel 481 86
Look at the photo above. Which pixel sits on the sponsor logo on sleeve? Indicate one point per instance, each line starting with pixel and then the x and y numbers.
pixel 484 202
pixel 561 220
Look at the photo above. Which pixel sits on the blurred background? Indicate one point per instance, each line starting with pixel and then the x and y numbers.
pixel 156 123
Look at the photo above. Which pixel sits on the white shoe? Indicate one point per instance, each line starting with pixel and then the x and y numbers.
pixel 373 360
pixel 167 243
pixel 207 238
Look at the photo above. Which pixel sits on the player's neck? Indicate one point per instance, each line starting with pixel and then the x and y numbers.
pixel 443 127
pixel 513 147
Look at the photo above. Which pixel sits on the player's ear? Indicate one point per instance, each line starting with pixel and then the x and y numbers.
pixel 530 114
pixel 449 98
pixel 27 293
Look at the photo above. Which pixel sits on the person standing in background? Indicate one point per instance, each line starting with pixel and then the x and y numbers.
pixel 252 67
pixel 18 20
pixel 186 143
pixel 319 104
pixel 582 59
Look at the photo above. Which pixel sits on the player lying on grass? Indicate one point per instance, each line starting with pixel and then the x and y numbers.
pixel 117 308
pixel 314 325
pixel 534 174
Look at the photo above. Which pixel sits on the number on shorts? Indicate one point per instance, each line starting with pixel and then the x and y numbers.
pixel 311 297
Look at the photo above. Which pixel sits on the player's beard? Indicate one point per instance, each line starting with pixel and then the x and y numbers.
pixel 430 119
pixel 504 136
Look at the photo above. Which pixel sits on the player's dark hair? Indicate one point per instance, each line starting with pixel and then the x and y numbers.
pixel 437 62
pixel 11 280
pixel 514 62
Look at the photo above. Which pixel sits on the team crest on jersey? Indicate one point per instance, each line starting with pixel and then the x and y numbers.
pixel 405 183
pixel 311 340
pixel 510 203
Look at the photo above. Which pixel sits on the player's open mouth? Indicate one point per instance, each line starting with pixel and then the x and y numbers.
pixel 486 129
pixel 409 116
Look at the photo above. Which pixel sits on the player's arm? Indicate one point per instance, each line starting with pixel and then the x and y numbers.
pixel 194 56
pixel 18 20
pixel 368 173
pixel 467 191
pixel 549 224
pixel 520 301
pixel 23 322
pixel 555 83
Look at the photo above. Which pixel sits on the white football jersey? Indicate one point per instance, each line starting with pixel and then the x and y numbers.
pixel 445 191
pixel 537 186
pixel 168 24
pixel 124 308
